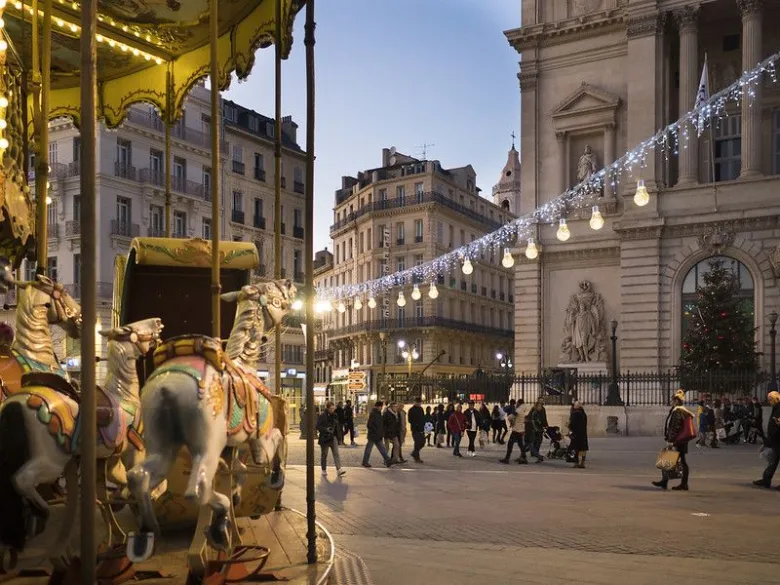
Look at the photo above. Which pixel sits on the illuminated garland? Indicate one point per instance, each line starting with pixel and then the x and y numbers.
pixel 580 196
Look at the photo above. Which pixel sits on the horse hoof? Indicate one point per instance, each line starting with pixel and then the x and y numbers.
pixel 218 534
pixel 139 546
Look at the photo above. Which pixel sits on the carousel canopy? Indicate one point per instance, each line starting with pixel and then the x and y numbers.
pixel 140 42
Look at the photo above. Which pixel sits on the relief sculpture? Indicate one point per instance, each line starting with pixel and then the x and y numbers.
pixel 584 331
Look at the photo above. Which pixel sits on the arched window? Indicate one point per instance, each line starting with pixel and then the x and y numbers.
pixel 505 205
pixel 695 279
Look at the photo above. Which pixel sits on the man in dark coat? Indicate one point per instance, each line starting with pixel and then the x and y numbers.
pixel 340 417
pixel 772 441
pixel 392 426
pixel 578 426
pixel 416 419
pixel 327 428
pixel 349 422
pixel 375 434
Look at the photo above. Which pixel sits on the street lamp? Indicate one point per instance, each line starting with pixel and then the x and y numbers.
pixel 409 354
pixel 613 392
pixel 772 336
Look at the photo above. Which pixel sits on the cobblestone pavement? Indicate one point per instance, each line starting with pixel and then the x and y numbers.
pixel 608 510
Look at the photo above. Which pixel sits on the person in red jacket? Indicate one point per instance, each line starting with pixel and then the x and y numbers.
pixel 456 424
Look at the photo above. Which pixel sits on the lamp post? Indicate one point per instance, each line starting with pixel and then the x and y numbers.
pixel 772 337
pixel 505 362
pixel 613 392
pixel 383 385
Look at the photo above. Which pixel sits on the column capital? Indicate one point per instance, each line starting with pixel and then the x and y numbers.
pixel 610 127
pixel 687 17
pixel 560 136
pixel 750 7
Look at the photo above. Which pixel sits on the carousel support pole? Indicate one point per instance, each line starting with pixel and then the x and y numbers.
pixel 167 117
pixel 216 286
pixel 311 516
pixel 278 189
pixel 88 287
pixel 42 157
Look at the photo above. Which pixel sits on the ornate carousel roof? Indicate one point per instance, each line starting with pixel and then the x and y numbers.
pixel 140 41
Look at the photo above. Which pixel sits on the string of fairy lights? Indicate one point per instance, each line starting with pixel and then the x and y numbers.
pixel 668 141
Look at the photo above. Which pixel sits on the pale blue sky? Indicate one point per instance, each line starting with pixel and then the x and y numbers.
pixel 399 73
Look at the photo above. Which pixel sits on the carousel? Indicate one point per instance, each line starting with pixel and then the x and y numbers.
pixel 172 471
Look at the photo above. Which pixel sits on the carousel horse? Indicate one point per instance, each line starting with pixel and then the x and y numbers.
pixel 41 303
pixel 210 401
pixel 40 434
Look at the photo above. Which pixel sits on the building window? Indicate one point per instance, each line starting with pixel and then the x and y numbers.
pixel 297 270
pixel 695 279
pixel 207 182
pixel 76 149
pixel 230 113
pixel 180 224
pixel 124 157
pixel 297 218
pixel 206 228
pixel 123 212
pixel 776 141
pixel 418 192
pixel 179 173
pixel 77 208
pixel 52 153
pixel 401 319
pixel 254 124
pixel 418 310
pixel 238 153
pixel 400 232
pixel 728 148
pixel 51 214
pixel 238 201
pixel 400 264
pixel 400 193
pixel 51 268
pixel 156 227
pixel 418 230
pixel 156 168
pixel 77 269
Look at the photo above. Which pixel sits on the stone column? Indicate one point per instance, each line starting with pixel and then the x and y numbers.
pixel 562 161
pixel 752 12
pixel 609 158
pixel 687 20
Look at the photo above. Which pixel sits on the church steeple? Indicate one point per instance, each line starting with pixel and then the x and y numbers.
pixel 506 193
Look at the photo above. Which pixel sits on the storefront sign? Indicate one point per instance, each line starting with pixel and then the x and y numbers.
pixel 386 268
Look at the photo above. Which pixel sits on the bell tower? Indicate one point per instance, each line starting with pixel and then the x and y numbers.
pixel 506 193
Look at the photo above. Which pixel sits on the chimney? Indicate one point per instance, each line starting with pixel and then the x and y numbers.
pixel 290 128
pixel 385 157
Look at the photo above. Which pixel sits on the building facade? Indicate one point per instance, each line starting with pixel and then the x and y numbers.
pixel 598 77
pixel 131 198
pixel 401 214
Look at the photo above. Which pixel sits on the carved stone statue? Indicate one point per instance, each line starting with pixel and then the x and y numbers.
pixel 584 331
pixel 586 166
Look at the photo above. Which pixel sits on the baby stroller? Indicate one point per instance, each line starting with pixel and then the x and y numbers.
pixel 556 451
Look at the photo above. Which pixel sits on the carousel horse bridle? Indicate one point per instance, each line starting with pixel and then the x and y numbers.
pixel 55 290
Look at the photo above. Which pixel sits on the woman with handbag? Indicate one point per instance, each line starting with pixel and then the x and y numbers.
pixel 678 431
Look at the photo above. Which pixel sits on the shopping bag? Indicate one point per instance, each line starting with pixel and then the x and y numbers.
pixel 483 439
pixel 721 433
pixel 667 460
pixel 440 438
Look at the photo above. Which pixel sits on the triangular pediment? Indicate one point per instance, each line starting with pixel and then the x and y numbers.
pixel 586 98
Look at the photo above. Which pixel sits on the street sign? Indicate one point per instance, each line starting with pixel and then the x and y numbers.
pixel 357 381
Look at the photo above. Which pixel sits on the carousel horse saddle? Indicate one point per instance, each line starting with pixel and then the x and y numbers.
pixel 105 407
pixel 206 347
pixel 242 389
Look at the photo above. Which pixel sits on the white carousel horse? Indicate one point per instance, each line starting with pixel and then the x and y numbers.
pixel 192 401
pixel 40 431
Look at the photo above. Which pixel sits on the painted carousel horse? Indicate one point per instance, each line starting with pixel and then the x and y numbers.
pixel 208 401
pixel 40 432
pixel 41 303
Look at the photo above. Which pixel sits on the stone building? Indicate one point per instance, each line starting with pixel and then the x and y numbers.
pixel 596 78
pixel 401 214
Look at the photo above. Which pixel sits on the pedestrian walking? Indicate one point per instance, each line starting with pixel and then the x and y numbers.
pixel 375 434
pixel 456 425
pixel 517 432
pixel 772 441
pixel 718 429
pixel 495 421
pixel 441 426
pixel 327 427
pixel 754 430
pixel 402 428
pixel 417 426
pixel 447 415
pixel 502 426
pixel 704 424
pixel 578 426
pixel 534 432
pixel 677 439
pixel 473 424
pixel 349 423
pixel 392 432
pixel 341 421
pixel 430 425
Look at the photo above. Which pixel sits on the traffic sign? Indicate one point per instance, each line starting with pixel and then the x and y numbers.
pixel 357 381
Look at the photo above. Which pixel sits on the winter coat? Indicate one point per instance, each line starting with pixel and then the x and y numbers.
pixel 773 428
pixel 457 422
pixel 578 425
pixel 402 425
pixel 538 419
pixel 327 424
pixel 349 414
pixel 375 428
pixel 674 423
pixel 477 418
pixel 441 421
pixel 340 414
pixel 417 419
pixel 390 420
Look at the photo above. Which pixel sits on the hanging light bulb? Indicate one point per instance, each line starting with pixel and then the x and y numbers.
pixel 563 231
pixel 3 101
pixel 531 252
pixel 416 294
pixel 371 303
pixel 323 306
pixel 342 308
pixel 467 267
pixel 3 46
pixel 401 299
pixel 641 197
pixel 3 124
pixel 508 260
pixel 596 220
pixel 433 292
pixel 48 200
pixel 358 304
pixel 297 305
pixel 3 143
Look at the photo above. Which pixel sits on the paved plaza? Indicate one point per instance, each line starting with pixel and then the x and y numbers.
pixel 470 520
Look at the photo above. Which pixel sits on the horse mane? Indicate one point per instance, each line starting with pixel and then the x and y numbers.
pixel 243 344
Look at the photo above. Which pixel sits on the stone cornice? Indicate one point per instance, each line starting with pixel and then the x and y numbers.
pixel 558 254
pixel 750 7
pixel 643 25
pixel 738 225
pixel 687 17
pixel 552 33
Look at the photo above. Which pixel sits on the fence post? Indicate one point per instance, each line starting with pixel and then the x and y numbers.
pixel 627 386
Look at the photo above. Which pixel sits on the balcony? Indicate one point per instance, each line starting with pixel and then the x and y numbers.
pixel 152 177
pixel 298 187
pixel 259 222
pixel 298 277
pixel 237 216
pixel 399 241
pixel 53 231
pixel 238 167
pixel 156 232
pixel 73 228
pixel 418 239
pixel 124 171
pixel 124 229
pixel 151 120
pixel 179 184
pixel 323 355
pixel 105 290
pixel 259 174
pixel 298 232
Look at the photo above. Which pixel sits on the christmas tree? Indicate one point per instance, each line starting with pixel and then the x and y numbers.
pixel 719 345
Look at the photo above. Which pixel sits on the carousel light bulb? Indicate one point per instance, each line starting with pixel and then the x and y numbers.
pixel 136 52
pixel 3 143
pixel 596 219
pixel 3 46
pixel 111 43
pixel 297 305
pixel 371 303
pixel 3 124
pixel 18 5
pixel 2 4
pixel 401 302
pixel 74 28
pixel 433 292
pixel 3 101
pixel 342 307
pixel 563 231
pixel 147 56
pixel 48 200
pixel 467 266
pixel 641 197
pixel 60 22
pixel 416 294
pixel 158 60
pixel 99 38
pixel 508 260
pixel 358 304
pixel 531 252
pixel 2 23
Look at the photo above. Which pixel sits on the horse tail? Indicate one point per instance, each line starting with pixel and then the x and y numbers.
pixel 14 453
